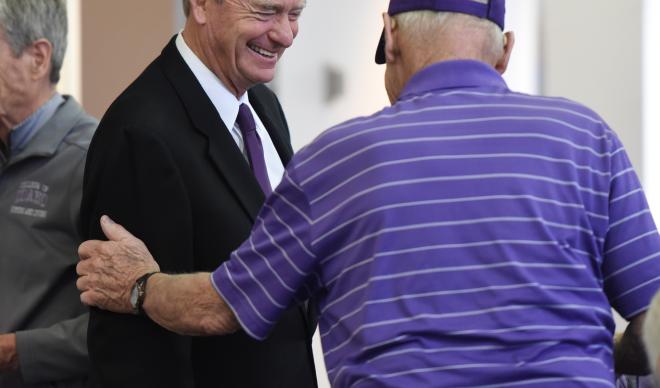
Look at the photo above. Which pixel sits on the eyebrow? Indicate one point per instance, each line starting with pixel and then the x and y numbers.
pixel 270 6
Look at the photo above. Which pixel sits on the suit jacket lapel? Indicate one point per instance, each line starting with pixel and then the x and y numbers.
pixel 222 149
pixel 272 120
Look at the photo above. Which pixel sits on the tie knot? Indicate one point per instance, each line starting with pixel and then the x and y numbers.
pixel 245 120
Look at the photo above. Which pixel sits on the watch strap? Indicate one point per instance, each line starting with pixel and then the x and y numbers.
pixel 141 287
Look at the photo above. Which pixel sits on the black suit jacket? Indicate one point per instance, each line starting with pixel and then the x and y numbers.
pixel 163 164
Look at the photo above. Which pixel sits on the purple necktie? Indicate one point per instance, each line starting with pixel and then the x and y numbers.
pixel 253 146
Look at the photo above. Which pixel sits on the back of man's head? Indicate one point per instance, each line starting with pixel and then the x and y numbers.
pixel 419 33
pixel 26 21
pixel 651 335
pixel 464 28
pixel 436 36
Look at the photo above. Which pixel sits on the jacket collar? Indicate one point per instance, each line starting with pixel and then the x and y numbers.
pixel 53 132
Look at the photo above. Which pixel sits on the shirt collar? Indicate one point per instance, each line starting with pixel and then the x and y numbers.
pixel 453 75
pixel 224 101
pixel 25 131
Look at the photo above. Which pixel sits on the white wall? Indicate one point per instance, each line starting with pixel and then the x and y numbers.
pixel 179 17
pixel 525 71
pixel 71 74
pixel 335 36
pixel 651 107
pixel 592 53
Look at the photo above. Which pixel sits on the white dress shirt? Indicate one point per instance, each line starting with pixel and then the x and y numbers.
pixel 227 106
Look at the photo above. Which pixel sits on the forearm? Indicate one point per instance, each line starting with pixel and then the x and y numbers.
pixel 188 305
pixel 184 304
pixel 8 354
pixel 54 353
pixel 629 353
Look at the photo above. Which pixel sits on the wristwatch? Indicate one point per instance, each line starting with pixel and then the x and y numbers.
pixel 139 292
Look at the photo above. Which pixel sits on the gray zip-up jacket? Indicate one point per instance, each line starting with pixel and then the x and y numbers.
pixel 40 192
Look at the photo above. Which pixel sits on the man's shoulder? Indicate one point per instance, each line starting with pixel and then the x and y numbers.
pixel 261 95
pixel 557 102
pixel 262 91
pixel 77 123
pixel 150 101
pixel 81 133
pixel 149 90
pixel 350 128
pixel 326 147
pixel 573 115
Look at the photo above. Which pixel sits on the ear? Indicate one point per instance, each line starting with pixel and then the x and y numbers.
pixel 41 52
pixel 199 10
pixel 503 62
pixel 391 47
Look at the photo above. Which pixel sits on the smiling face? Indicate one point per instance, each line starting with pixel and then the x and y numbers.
pixel 242 40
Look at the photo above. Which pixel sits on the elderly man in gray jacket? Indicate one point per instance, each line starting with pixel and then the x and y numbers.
pixel 43 142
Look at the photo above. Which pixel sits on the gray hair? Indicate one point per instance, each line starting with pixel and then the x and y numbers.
pixel 26 21
pixel 423 28
pixel 651 333
pixel 186 6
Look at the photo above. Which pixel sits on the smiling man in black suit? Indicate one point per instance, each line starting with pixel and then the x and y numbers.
pixel 197 140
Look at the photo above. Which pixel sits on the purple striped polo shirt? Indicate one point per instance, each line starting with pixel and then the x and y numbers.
pixel 465 236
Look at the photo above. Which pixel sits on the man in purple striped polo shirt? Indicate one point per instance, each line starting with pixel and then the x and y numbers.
pixel 467 235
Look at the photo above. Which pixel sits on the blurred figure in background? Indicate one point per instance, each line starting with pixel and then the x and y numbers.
pixel 43 142
pixel 199 141
pixel 651 335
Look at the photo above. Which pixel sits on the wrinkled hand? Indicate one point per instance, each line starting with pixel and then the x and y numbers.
pixel 108 269
pixel 8 355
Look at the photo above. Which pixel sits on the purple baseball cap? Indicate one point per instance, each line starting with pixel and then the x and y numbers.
pixel 492 10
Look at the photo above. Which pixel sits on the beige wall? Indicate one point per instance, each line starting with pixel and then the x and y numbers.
pixel 119 39
pixel 332 48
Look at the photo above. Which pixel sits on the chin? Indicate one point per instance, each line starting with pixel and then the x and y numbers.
pixel 263 78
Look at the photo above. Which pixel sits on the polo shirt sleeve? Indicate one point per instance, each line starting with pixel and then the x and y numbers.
pixel 631 263
pixel 275 266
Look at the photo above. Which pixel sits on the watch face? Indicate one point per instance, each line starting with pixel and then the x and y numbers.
pixel 134 296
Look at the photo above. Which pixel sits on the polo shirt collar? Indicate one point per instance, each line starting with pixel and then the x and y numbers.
pixel 21 135
pixel 455 74
pixel 52 133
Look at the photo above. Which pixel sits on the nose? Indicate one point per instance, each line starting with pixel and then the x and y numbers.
pixel 284 31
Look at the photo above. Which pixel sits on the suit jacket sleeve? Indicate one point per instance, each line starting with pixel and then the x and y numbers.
pixel 55 353
pixel 131 177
